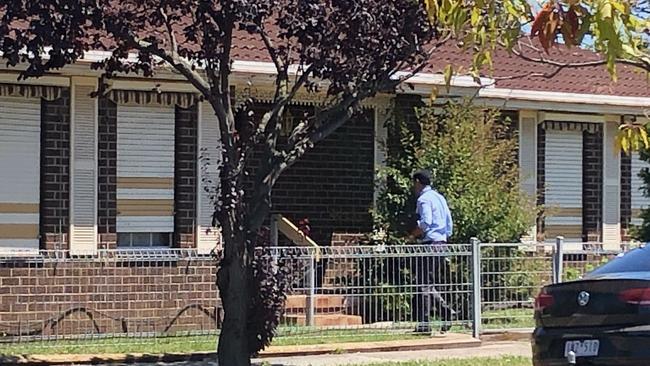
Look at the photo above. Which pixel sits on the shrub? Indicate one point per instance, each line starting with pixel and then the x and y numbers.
pixel 472 156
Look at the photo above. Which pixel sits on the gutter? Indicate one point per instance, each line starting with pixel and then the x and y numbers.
pixel 423 84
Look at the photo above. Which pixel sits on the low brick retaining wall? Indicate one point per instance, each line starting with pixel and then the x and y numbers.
pixel 54 297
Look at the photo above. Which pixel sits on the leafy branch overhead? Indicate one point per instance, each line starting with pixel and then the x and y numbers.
pixel 617 29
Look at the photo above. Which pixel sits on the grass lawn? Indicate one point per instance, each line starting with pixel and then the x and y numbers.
pixel 501 361
pixel 187 344
pixel 498 319
pixel 508 318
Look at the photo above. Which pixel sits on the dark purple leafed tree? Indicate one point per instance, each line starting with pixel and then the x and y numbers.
pixel 355 48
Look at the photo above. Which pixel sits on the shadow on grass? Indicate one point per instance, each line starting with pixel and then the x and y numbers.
pixel 9 359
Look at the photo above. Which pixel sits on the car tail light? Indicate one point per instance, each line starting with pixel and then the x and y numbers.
pixel 636 296
pixel 543 300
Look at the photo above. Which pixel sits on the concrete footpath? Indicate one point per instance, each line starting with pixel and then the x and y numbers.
pixel 495 349
pixel 435 348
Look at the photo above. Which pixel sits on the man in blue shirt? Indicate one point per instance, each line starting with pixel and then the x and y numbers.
pixel 434 228
pixel 435 225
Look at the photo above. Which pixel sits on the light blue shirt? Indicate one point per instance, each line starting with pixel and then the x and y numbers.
pixel 434 216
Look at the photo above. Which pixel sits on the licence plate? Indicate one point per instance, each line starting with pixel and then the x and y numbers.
pixel 582 348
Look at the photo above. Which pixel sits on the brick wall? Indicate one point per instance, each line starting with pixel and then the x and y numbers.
pixel 185 174
pixel 541 176
pixel 342 239
pixel 626 195
pixel 55 172
pixel 332 184
pixel 592 185
pixel 405 111
pixel 107 174
pixel 107 296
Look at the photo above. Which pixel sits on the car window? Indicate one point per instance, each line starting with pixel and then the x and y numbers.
pixel 637 260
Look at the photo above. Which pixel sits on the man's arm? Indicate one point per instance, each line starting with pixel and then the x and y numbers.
pixel 416 234
pixel 450 224
pixel 425 213
pixel 425 218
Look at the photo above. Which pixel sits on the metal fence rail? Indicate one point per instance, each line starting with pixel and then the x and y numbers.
pixel 512 275
pixel 166 300
pixel 378 288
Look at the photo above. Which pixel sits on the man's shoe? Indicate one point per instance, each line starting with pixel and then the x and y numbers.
pixel 445 327
pixel 446 324
pixel 423 328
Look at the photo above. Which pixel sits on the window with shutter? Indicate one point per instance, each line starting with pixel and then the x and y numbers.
pixel 145 173
pixel 563 184
pixel 20 134
pixel 639 200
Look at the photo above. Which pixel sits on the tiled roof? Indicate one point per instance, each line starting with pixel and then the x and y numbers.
pixel 584 80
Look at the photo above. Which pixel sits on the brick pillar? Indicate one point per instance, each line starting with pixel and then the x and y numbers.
pixel 107 175
pixel 541 176
pixel 185 172
pixel 626 195
pixel 55 172
pixel 592 185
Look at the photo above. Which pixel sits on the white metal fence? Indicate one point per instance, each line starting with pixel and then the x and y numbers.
pixel 166 301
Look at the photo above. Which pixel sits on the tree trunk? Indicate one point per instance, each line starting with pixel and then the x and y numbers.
pixel 233 283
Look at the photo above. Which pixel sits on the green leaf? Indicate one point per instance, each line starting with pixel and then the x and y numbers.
pixel 644 137
pixel 606 11
pixel 448 73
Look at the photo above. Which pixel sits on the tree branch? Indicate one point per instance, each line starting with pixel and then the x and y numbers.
pixel 282 102
pixel 179 63
pixel 344 111
pixel 642 64
pixel 305 135
pixel 170 31
pixel 277 61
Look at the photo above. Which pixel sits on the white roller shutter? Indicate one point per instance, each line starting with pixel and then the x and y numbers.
pixel 145 168
pixel 639 201
pixel 528 162
pixel 83 202
pixel 563 189
pixel 208 180
pixel 20 136
pixel 611 185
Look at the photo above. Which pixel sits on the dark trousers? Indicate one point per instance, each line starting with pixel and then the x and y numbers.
pixel 431 271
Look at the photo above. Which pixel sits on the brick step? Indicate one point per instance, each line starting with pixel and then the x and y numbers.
pixel 324 320
pixel 322 303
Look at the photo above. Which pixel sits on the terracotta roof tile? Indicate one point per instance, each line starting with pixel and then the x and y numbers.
pixel 585 80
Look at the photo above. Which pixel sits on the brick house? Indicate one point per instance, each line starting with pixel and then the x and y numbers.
pixel 82 173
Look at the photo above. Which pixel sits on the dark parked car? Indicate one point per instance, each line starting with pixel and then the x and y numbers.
pixel 602 319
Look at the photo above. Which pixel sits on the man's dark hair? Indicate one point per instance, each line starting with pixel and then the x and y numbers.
pixel 423 177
